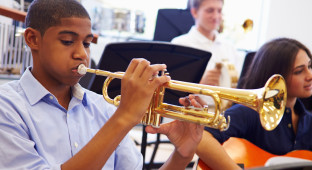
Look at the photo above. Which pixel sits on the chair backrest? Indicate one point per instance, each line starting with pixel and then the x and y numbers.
pixel 248 60
pixel 183 63
pixel 171 23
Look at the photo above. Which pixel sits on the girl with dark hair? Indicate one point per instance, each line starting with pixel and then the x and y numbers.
pixel 274 57
pixel 292 60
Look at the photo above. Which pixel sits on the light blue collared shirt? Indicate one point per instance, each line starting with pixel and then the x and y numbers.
pixel 36 132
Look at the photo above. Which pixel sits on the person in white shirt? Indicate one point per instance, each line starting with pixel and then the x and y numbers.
pixel 204 35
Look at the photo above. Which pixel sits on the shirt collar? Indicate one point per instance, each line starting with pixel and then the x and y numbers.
pixel 203 39
pixel 300 108
pixel 29 83
pixel 78 92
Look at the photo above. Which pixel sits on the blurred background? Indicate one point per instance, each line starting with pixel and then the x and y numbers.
pixel 122 20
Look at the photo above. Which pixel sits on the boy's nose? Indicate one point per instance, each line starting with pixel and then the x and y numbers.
pixel 81 52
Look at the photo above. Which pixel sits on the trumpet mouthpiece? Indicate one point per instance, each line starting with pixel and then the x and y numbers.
pixel 82 69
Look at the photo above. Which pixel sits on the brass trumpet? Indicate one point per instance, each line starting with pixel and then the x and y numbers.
pixel 268 101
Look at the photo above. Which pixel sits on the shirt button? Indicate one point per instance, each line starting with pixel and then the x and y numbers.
pixel 287 110
pixel 51 97
pixel 289 125
pixel 76 145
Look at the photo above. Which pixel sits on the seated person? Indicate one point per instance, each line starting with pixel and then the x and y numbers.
pixel 48 121
pixel 292 60
pixel 204 35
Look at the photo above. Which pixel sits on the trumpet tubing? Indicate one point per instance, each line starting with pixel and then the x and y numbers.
pixel 268 101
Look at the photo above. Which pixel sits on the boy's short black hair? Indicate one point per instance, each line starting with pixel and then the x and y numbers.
pixel 43 14
pixel 197 3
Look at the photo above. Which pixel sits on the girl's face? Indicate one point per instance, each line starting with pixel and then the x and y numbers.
pixel 299 81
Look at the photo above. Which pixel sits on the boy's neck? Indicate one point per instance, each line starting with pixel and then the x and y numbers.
pixel 61 92
pixel 211 35
pixel 63 96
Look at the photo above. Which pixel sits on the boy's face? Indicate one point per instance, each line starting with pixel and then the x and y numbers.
pixel 61 49
pixel 209 15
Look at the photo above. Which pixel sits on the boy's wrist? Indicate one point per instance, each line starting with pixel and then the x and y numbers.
pixel 125 117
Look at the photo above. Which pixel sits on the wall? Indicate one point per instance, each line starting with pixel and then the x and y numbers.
pixel 287 18
pixel 234 14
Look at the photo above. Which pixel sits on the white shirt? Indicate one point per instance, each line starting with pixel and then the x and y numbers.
pixel 221 50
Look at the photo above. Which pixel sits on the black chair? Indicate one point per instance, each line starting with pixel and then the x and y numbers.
pixel 171 23
pixel 248 60
pixel 183 63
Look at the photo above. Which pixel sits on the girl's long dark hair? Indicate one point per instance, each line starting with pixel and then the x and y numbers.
pixel 274 57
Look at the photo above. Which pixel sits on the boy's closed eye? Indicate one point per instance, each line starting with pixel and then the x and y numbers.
pixel 86 44
pixel 67 42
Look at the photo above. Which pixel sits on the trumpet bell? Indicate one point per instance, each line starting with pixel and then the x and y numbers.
pixel 274 102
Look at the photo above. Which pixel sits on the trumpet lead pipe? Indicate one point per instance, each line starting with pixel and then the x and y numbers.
pixel 172 84
pixel 82 69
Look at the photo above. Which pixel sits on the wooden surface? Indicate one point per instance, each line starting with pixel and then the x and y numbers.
pixel 20 16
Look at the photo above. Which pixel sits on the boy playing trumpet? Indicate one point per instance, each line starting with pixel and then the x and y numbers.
pixel 48 121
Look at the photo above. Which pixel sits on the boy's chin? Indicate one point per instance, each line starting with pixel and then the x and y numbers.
pixel 73 82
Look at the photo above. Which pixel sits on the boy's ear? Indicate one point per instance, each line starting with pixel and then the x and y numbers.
pixel 194 13
pixel 32 38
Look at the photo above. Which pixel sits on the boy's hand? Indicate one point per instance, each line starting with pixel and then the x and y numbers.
pixel 184 135
pixel 137 88
pixel 211 77
pixel 192 100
